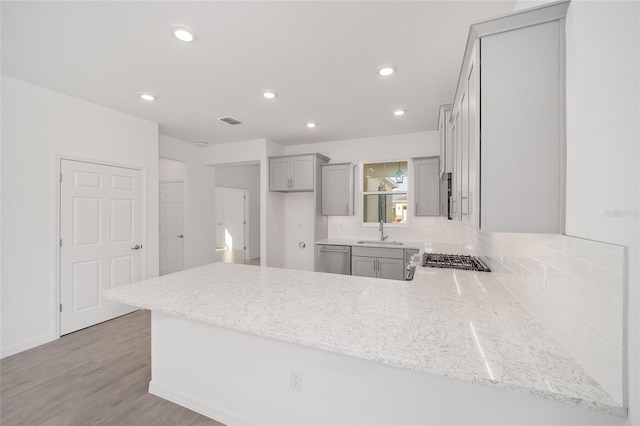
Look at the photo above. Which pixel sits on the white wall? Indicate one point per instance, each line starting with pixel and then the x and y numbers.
pixel 199 221
pixel 38 125
pixel 171 170
pixel 383 148
pixel 245 177
pixel 603 156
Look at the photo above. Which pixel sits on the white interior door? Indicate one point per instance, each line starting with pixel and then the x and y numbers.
pixel 232 220
pixel 171 227
pixel 101 240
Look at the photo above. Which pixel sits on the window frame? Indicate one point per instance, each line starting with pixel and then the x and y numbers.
pixel 363 194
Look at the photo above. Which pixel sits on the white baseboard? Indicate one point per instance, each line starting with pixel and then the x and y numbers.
pixel 206 408
pixel 32 343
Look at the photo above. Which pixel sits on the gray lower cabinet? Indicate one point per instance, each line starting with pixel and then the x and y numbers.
pixel 427 186
pixel 376 262
pixel 363 266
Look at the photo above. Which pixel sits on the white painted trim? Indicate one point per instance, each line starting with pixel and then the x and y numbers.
pixel 199 405
pixel 58 217
pixel 361 193
pixel 29 344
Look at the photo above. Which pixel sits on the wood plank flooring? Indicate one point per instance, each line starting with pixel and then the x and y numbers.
pixel 234 256
pixel 96 376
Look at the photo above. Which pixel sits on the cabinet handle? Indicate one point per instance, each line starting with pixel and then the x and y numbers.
pixel 347 208
pixel 416 211
pixel 322 248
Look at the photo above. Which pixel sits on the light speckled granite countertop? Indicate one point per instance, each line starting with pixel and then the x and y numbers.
pixel 458 324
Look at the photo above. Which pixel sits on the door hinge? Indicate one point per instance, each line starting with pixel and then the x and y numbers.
pixel 61 307
pixel 60 242
pixel 244 197
pixel 244 222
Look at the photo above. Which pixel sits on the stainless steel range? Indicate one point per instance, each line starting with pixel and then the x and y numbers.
pixel 454 261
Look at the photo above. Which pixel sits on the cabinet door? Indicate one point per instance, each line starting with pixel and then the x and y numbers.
pixel 473 140
pixel 464 145
pixel 427 187
pixel 363 266
pixel 337 190
pixel 391 269
pixel 448 143
pixel 279 174
pixel 302 173
pixel 454 172
pixel 443 149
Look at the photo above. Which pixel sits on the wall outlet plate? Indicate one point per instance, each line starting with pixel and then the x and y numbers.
pixel 295 380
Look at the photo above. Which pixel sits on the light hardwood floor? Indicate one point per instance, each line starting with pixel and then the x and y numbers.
pixel 96 376
pixel 234 256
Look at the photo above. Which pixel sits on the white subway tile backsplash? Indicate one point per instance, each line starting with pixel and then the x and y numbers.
pixel 597 298
pixel 582 303
pixel 540 253
pixel 609 354
pixel 608 255
pixel 607 279
pixel 574 287
pixel 572 265
pixel 615 309
pixel 513 265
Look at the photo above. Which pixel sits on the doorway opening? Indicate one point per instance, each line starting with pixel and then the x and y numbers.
pixel 237 209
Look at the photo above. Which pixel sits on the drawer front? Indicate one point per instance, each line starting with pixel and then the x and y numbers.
pixel 389 253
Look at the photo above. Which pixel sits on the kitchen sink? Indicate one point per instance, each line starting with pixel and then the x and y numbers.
pixel 390 243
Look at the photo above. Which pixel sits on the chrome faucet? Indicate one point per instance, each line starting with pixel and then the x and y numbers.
pixel 381 229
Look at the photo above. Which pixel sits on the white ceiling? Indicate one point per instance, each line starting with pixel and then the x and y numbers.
pixel 320 56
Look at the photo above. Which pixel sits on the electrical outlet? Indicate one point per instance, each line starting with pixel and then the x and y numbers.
pixel 295 380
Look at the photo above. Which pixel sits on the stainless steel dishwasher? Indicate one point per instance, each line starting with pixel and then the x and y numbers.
pixel 333 259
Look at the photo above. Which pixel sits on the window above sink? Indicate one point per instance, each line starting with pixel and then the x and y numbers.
pixel 385 187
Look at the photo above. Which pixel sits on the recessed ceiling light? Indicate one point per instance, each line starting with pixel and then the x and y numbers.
pixel 147 97
pixel 183 34
pixel 311 124
pixel 269 94
pixel 386 70
pixel 398 112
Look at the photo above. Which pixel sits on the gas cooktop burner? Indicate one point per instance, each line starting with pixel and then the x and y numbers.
pixel 454 261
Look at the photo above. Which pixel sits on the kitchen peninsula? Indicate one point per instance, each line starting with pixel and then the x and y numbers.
pixel 259 345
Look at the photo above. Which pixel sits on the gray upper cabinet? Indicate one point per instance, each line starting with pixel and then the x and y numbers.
pixel 427 186
pixel 522 160
pixel 293 173
pixel 337 189
pixel 508 125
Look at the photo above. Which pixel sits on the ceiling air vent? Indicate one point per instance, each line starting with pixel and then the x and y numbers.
pixel 230 120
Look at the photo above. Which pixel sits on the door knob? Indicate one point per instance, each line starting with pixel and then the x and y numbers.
pixel 136 247
pixel 180 236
